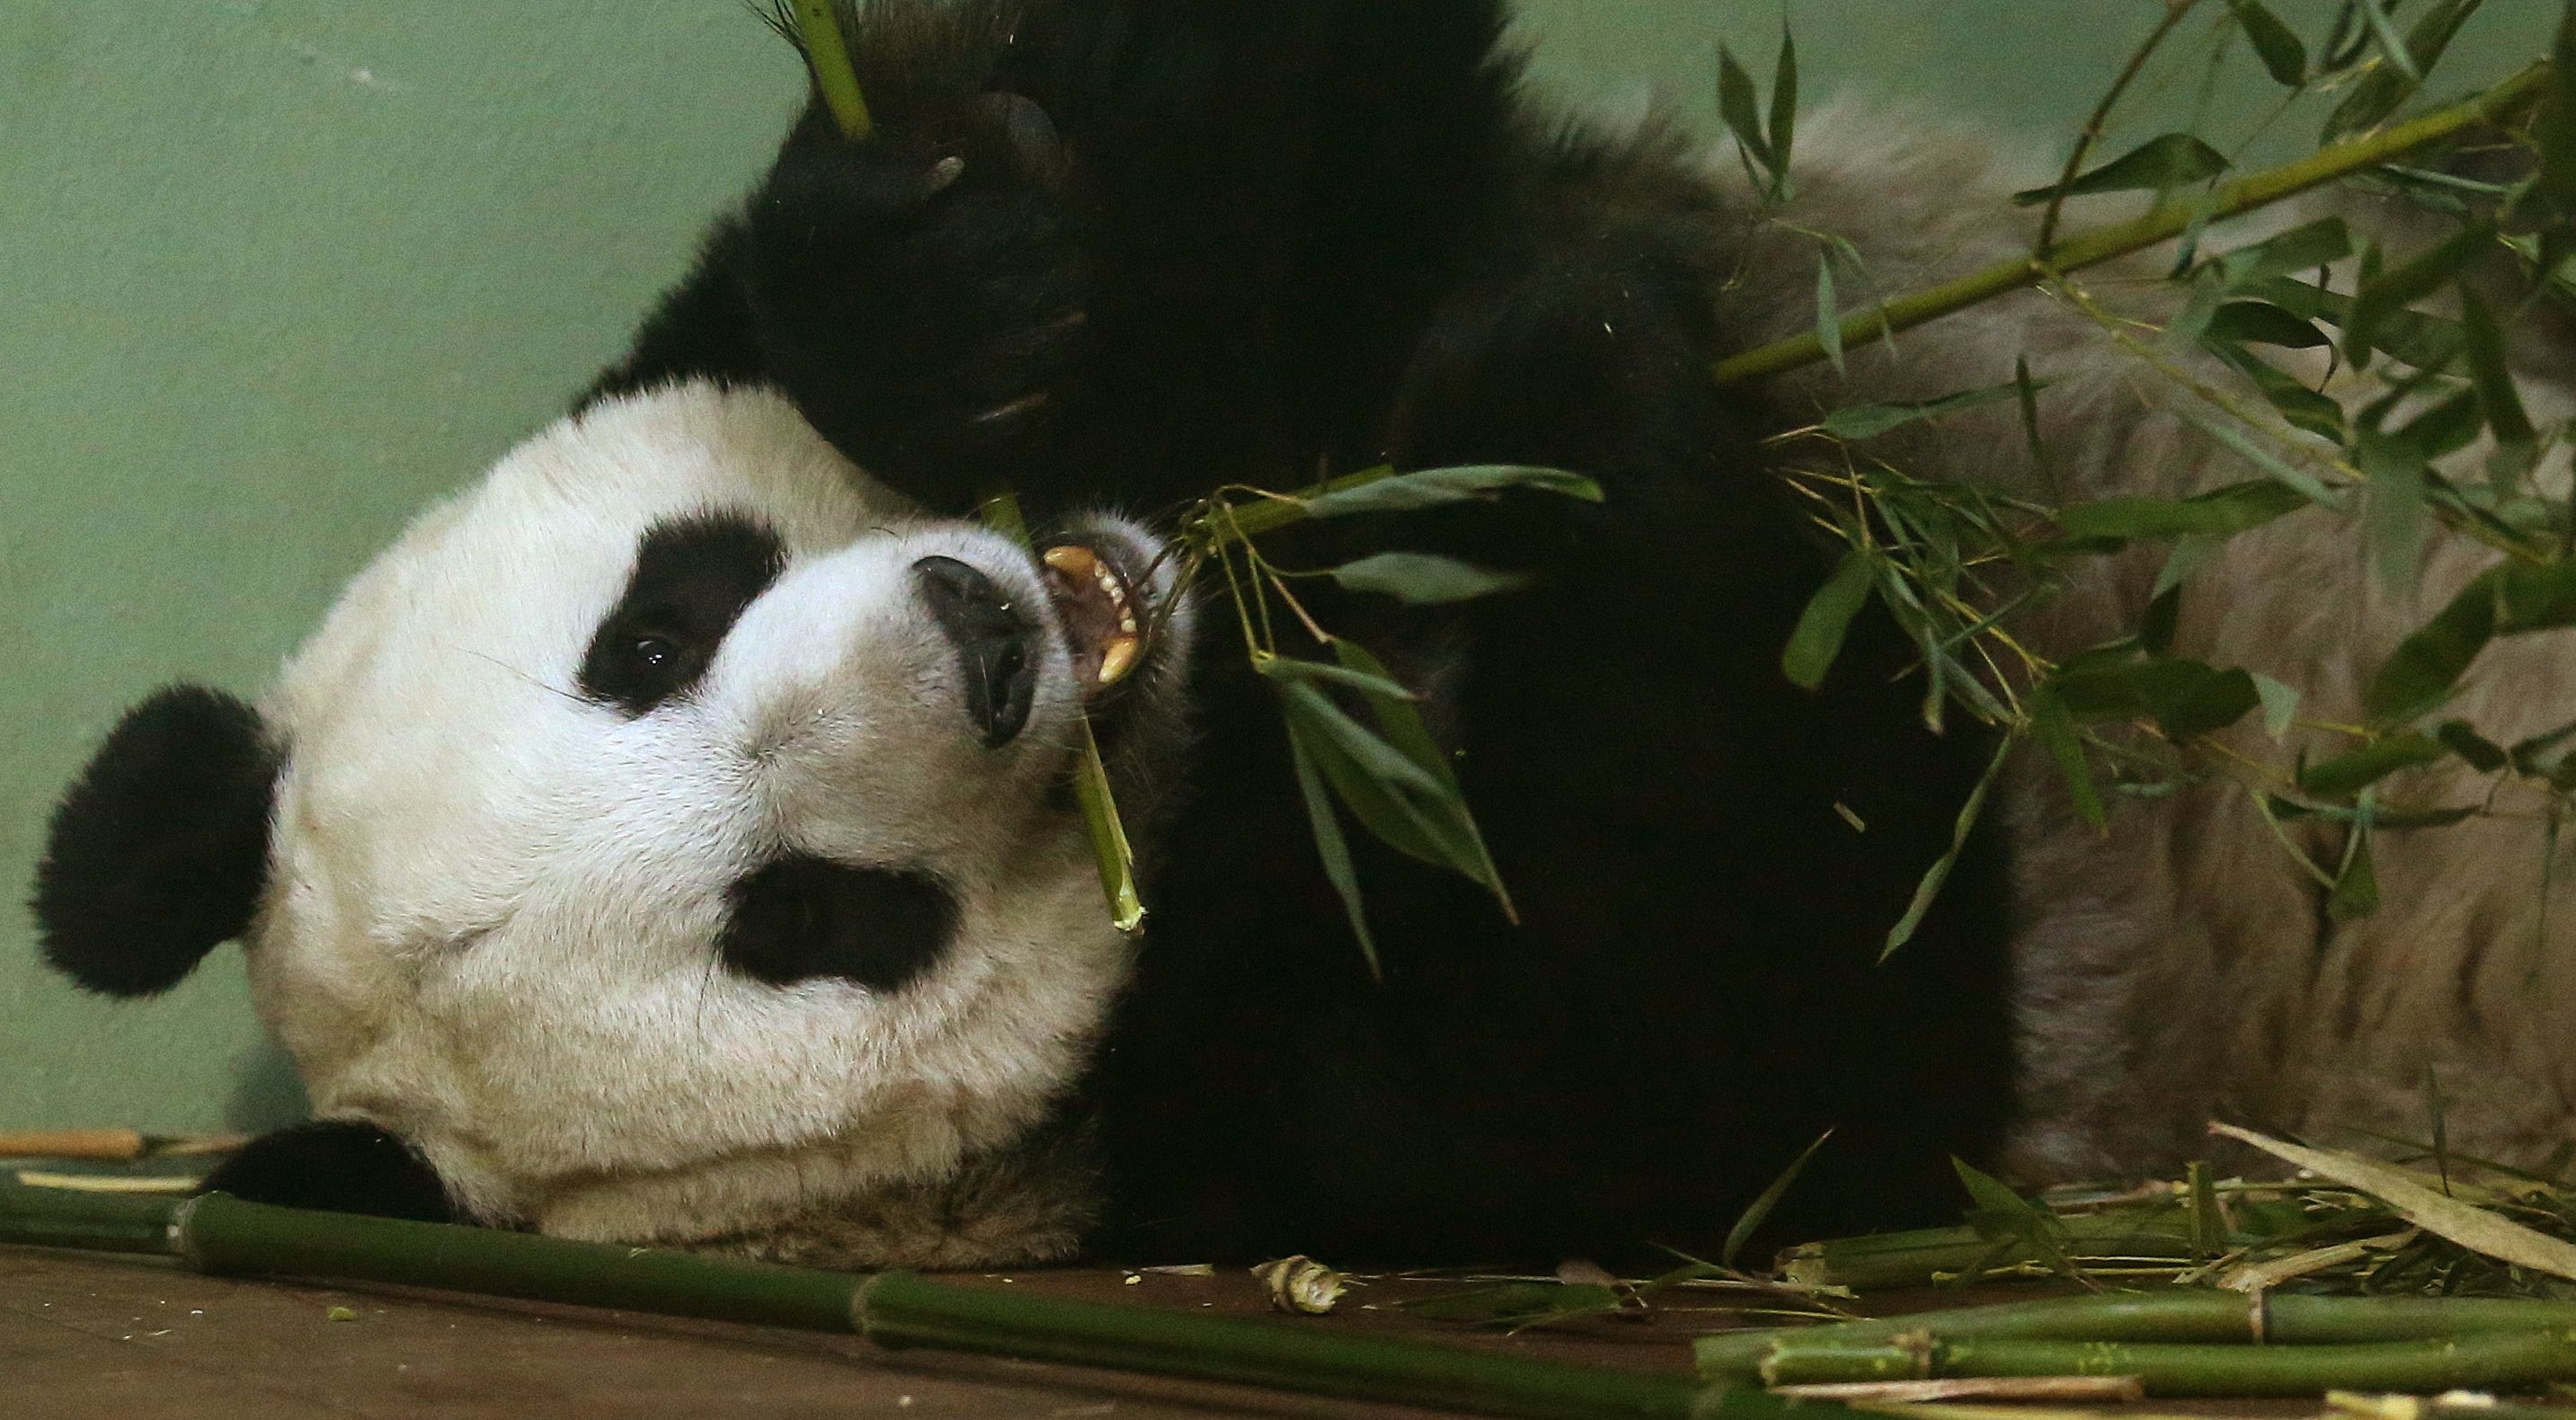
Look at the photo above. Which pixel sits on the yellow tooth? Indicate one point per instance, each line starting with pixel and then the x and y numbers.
pixel 1073 560
pixel 1118 658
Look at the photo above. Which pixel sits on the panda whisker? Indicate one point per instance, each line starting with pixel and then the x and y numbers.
pixel 538 681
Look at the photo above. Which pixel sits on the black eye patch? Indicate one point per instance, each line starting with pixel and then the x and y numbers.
pixel 805 917
pixel 693 576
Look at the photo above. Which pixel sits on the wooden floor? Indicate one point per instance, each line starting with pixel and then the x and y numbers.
pixel 84 1335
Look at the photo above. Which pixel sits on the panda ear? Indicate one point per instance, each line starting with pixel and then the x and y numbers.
pixel 159 851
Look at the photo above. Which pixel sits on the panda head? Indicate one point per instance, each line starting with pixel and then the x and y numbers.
pixel 673 826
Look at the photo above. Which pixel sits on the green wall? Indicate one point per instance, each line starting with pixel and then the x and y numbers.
pixel 274 272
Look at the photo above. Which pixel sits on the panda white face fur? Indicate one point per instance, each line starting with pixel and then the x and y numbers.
pixel 669 829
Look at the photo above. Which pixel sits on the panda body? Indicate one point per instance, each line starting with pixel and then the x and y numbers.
pixel 797 959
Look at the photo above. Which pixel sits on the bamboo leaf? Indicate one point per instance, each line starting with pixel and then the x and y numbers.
pixel 2167 160
pixel 2227 433
pixel 2394 515
pixel 1342 677
pixel 2517 443
pixel 2535 596
pixel 2304 408
pixel 2261 323
pixel 1422 579
pixel 1751 1220
pixel 1784 104
pixel 1740 108
pixel 2284 58
pixel 2055 729
pixel 1399 718
pixel 1818 639
pixel 2280 705
pixel 2220 513
pixel 2381 91
pixel 2006 1217
pixel 2423 341
pixel 2478 752
pixel 2419 674
pixel 2388 292
pixel 2392 46
pixel 2472 1227
pixel 2553 127
pixel 1433 487
pixel 2356 887
pixel 2302 248
pixel 1333 849
pixel 1404 805
pixel 2027 393
pixel 2350 773
pixel 1928 891
pixel 2184 697
pixel 1868 421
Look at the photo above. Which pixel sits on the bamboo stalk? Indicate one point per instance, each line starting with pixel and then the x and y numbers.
pixel 2501 1360
pixel 221 1234
pixel 2165 1317
pixel 827 53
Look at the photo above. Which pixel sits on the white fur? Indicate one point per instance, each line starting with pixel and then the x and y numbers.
pixel 490 920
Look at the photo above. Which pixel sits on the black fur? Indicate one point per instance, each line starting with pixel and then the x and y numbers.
pixel 803 917
pixel 338 1166
pixel 1283 235
pixel 159 850
pixel 692 579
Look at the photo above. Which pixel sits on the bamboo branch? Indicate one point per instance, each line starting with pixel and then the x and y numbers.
pixel 2167 221
pixel 827 54
pixel 221 1234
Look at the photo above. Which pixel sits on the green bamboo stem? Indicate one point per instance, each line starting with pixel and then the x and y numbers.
pixel 827 53
pixel 2167 221
pixel 2501 1360
pixel 1110 846
pixel 2177 1316
pixel 216 1233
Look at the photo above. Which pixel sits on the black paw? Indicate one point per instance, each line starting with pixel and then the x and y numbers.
pixel 920 294
pixel 337 1166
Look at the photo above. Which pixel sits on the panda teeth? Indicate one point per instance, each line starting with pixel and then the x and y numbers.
pixel 1084 571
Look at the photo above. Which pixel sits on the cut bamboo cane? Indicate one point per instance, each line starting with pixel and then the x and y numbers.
pixel 216 1233
pixel 104 1144
pixel 2158 1317
pixel 2503 1360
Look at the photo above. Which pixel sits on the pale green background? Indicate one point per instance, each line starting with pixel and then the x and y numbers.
pixel 273 272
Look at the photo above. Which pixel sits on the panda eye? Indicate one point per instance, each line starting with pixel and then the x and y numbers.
pixel 655 652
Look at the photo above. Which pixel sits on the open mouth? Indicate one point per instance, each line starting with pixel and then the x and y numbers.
pixel 1103 614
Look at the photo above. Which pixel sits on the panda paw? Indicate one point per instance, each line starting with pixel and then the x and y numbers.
pixel 920 298
pixel 336 1166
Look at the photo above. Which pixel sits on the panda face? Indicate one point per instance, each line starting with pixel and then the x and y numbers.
pixel 672 827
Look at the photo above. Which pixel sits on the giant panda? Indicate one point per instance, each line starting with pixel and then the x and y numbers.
pixel 668 839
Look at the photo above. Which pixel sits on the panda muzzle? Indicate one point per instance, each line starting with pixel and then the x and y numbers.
pixel 996 641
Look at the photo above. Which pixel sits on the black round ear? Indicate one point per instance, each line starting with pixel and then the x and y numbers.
pixel 160 849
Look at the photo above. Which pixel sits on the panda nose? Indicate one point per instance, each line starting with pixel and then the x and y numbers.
pixel 996 641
